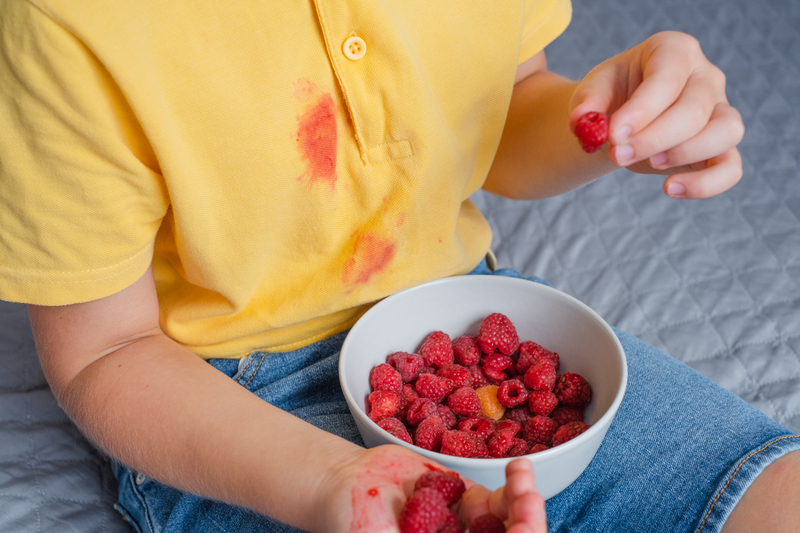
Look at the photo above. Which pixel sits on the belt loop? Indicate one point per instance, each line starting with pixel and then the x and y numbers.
pixel 491 260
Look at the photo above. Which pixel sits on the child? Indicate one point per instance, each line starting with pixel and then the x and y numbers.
pixel 199 199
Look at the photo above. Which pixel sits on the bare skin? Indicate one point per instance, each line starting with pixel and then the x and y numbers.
pixel 157 407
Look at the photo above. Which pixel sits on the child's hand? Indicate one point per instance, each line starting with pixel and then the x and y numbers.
pixel 366 494
pixel 668 115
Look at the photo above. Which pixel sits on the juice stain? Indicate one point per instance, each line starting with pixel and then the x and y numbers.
pixel 317 137
pixel 372 254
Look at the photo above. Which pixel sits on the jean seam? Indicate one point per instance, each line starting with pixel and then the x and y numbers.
pixel 247 366
pixel 733 475
pixel 142 501
pixel 255 372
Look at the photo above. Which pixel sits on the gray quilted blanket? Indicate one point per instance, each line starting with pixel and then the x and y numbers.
pixel 714 283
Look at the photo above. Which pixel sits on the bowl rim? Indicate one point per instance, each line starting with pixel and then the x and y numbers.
pixel 601 424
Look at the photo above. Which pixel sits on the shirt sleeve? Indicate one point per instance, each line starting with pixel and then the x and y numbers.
pixel 544 21
pixel 81 194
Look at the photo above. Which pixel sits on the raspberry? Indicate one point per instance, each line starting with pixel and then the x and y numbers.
pixel 410 393
pixel 460 375
pixel 425 511
pixel 592 130
pixel 384 377
pixel 437 350
pixel 564 413
pixel 493 366
pixel 500 443
pixel 496 332
pixel 571 389
pixel 466 350
pixel 487 523
pixel 481 450
pixel 394 427
pixel 481 427
pixel 452 524
pixel 542 402
pixel 383 404
pixel 568 431
pixel 408 364
pixel 457 443
pixel 536 448
pixel 478 377
pixel 541 375
pixel 420 410
pixel 508 425
pixel 529 352
pixel 519 449
pixel 539 430
pixel 464 401
pixel 434 387
pixel 429 434
pixel 520 414
pixel 450 486
pixel 512 393
pixel 490 405
pixel 447 416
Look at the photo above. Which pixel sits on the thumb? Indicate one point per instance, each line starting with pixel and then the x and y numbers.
pixel 604 89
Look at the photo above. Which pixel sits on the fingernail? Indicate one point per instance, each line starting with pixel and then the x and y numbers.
pixel 658 159
pixel 676 190
pixel 621 135
pixel 623 153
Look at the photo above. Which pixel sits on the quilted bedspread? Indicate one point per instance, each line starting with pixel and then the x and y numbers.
pixel 714 283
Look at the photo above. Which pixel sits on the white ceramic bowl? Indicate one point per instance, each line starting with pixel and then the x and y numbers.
pixel 457 305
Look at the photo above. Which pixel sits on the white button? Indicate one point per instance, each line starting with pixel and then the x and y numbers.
pixel 140 478
pixel 354 48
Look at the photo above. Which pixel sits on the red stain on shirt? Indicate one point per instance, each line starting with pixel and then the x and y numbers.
pixel 372 254
pixel 316 139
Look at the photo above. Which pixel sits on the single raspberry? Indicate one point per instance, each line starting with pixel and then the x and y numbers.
pixel 410 393
pixel 482 428
pixel 500 443
pixel 425 511
pixel 541 375
pixel 479 379
pixel 481 451
pixel 592 130
pixel 450 486
pixel 394 427
pixel 509 425
pixel 519 449
pixel 434 387
pixel 536 448
pixel 564 413
pixel 496 332
pixel 452 524
pixel 487 523
pixel 520 414
pixel 568 431
pixel 460 375
pixel 384 377
pixel 466 350
pixel 429 434
pixel 571 389
pixel 493 366
pixel 512 393
pixel 408 364
pixel 382 404
pixel 464 401
pixel 529 352
pixel 457 443
pixel 539 430
pixel 419 410
pixel 490 405
pixel 428 370
pixel 447 416
pixel 542 402
pixel 437 350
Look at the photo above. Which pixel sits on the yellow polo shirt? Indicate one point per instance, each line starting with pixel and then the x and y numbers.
pixel 282 164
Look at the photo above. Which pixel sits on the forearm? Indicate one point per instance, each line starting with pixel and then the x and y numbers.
pixel 160 409
pixel 538 155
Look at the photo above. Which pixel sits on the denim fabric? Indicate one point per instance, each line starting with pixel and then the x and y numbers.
pixel 677 458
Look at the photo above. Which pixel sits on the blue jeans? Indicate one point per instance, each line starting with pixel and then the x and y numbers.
pixel 677 458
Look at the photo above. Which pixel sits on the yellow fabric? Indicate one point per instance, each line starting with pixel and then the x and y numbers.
pixel 278 186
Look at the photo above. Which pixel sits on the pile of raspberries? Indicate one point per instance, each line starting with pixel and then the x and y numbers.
pixel 484 396
pixel 429 508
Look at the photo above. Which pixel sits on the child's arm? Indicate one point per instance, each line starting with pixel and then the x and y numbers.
pixel 664 89
pixel 162 410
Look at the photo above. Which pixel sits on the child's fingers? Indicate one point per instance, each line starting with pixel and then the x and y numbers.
pixel 529 514
pixel 721 173
pixel 723 131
